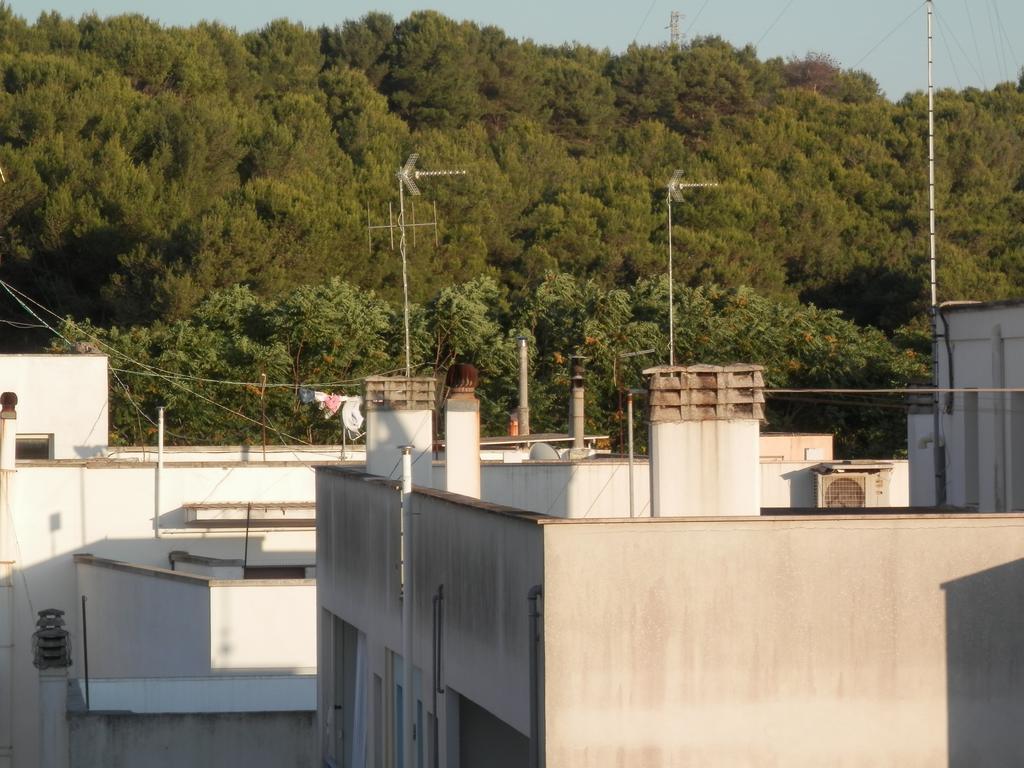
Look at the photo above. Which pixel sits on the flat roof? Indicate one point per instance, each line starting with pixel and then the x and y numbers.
pixel 966 306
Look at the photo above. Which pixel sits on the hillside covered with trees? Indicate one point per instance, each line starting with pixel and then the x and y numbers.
pixel 197 198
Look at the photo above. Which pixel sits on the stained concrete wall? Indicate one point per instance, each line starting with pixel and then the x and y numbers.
pixel 796 642
pixel 487 557
pixel 254 740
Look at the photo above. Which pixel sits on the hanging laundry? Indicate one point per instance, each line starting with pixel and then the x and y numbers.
pixel 350 415
pixel 331 404
pixel 305 395
pixel 319 396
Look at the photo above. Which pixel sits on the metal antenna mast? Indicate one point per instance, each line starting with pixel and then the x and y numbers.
pixel 407 176
pixel 939 451
pixel 675 194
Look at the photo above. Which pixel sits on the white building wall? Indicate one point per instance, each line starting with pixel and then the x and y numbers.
pixel 983 432
pixel 144 625
pixel 263 624
pixel 60 395
pixel 106 508
pixel 154 623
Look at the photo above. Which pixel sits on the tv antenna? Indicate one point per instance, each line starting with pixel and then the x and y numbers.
pixel 676 185
pixel 407 176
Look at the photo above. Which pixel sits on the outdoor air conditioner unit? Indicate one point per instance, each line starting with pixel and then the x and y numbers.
pixel 849 486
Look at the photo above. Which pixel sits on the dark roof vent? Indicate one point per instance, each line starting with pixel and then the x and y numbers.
pixel 51 645
pixel 462 378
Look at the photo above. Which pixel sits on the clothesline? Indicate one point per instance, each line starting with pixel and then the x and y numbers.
pixel 329 403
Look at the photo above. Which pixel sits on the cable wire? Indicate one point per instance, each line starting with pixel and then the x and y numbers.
pixel 776 21
pixel 889 34
pixel 646 16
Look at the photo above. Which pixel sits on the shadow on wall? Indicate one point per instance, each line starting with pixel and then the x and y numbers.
pixel 985 667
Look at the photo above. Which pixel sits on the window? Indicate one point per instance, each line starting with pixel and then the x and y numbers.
pixel 33 447
pixel 275 572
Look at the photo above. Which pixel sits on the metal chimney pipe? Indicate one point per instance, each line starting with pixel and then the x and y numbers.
pixel 157 486
pixel 524 387
pixel 576 408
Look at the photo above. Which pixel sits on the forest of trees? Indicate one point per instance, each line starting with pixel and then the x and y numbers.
pixel 197 199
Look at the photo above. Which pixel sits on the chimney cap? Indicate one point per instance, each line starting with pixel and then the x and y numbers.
pixel 8 405
pixel 462 378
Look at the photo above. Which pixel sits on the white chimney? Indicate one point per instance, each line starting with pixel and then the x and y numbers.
pixel 462 432
pixel 705 423
pixel 399 411
pixel 51 650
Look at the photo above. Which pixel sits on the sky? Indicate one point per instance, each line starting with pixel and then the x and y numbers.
pixel 977 42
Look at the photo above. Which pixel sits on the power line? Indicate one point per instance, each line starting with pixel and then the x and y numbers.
pixel 974 38
pixel 694 22
pixel 776 21
pixel 943 24
pixel 889 34
pixel 889 390
pixel 153 370
pixel 950 59
pixel 646 16
pixel 1005 37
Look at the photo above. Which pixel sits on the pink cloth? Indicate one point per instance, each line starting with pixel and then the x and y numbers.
pixel 331 404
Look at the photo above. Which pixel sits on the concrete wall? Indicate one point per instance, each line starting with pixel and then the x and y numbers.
pixel 795 446
pixel 106 508
pixel 796 642
pixel 152 623
pixel 263 624
pixel 595 489
pixel 60 395
pixel 983 432
pixel 600 488
pixel 486 557
pixel 145 625
pixel 254 740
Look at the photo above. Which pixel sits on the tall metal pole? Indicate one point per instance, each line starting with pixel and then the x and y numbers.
pixel 671 305
pixel 157 491
pixel 405 276
pixel 938 449
pixel 629 418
